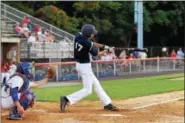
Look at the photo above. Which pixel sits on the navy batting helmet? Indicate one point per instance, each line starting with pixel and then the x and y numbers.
pixel 88 30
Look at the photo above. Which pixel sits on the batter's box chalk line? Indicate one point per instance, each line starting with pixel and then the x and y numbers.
pixel 70 120
pixel 40 110
pixel 112 115
pixel 157 103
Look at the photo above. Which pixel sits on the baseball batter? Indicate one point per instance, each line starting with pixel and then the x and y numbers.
pixel 83 50
pixel 16 95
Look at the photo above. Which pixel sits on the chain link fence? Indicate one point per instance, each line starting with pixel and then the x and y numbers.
pixel 66 70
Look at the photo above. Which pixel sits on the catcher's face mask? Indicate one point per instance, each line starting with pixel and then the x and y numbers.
pixel 25 68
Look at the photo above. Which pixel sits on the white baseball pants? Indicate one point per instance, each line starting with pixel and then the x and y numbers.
pixel 89 80
pixel 7 102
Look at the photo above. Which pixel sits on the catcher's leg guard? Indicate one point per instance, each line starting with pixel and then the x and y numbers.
pixel 27 99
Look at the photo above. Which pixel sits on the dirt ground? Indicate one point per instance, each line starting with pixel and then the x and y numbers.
pixel 159 108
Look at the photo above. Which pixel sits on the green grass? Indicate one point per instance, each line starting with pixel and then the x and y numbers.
pixel 118 89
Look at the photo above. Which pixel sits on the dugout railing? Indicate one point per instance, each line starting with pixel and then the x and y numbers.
pixel 66 70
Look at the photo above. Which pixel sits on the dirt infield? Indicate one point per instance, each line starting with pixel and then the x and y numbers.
pixel 159 108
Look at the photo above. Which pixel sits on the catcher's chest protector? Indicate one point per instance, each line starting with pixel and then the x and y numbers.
pixel 27 97
pixel 25 85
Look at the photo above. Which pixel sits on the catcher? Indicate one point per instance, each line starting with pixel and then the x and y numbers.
pixel 16 95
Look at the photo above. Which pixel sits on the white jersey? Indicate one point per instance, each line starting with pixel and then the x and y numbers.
pixel 6 99
pixel 13 82
pixel 5 77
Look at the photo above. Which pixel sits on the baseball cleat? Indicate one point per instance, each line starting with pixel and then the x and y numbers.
pixel 63 102
pixel 111 107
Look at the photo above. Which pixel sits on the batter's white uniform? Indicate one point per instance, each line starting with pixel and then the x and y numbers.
pixel 89 81
pixel 6 99
pixel 83 48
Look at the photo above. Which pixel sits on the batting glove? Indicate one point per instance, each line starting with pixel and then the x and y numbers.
pixel 105 47
pixel 111 49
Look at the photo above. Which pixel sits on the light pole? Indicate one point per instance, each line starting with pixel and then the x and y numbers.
pixel 138 20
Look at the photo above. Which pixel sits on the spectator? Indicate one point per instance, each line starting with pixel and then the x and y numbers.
pixel 2 68
pixel 48 36
pixel 108 56
pixel 41 36
pixel 18 28
pixel 143 55
pixel 104 57
pixel 36 37
pixel 25 20
pixel 32 38
pixel 180 54
pixel 173 54
pixel 136 54
pixel 9 63
pixel 30 26
pixel 25 30
pixel 130 56
pixel 122 55
pixel 112 55
pixel 6 67
pixel 36 28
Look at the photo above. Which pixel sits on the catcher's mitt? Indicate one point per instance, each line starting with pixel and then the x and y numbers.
pixel 51 72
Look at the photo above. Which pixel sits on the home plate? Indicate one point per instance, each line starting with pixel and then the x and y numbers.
pixel 111 115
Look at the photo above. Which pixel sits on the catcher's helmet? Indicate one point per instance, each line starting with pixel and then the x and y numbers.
pixel 24 68
pixel 88 29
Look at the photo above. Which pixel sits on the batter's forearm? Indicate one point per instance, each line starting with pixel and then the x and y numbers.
pixel 98 45
pixel 101 53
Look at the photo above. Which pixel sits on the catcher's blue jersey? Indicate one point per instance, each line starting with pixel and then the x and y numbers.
pixel 83 48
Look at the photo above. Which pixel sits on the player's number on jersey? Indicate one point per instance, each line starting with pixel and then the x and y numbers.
pixel 78 46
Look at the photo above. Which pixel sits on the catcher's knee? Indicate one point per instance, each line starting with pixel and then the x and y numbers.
pixel 27 99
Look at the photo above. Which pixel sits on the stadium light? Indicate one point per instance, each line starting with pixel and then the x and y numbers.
pixel 138 20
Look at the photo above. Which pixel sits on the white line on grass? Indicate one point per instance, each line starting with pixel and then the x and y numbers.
pixel 152 104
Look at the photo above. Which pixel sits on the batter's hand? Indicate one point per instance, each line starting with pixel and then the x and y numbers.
pixel 105 47
pixel 111 49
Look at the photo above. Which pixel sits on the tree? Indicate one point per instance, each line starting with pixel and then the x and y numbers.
pixel 114 20
pixel 163 19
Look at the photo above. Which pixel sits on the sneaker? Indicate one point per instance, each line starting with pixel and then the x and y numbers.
pixel 63 102
pixel 14 115
pixel 111 107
